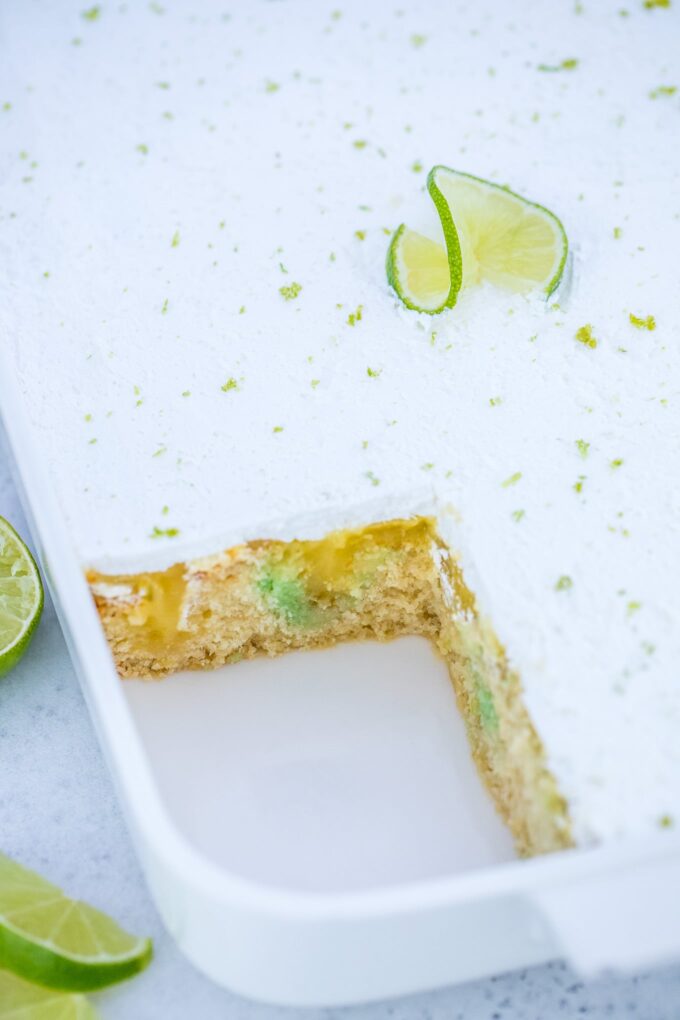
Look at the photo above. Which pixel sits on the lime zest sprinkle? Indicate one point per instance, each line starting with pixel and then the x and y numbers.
pixel 617 233
pixel 374 373
pixel 584 335
pixel 648 322
pixel 417 40
pixel 92 13
pixel 517 515
pixel 666 822
pixel 649 5
pixel 278 428
pixel 230 384
pixel 372 478
pixel 578 485
pixel 291 292
pixel 633 607
pixel 272 86
pixel 495 401
pixel 355 317
pixel 564 583
pixel 512 480
pixel 164 307
pixel 175 240
pixel 360 143
pixel 570 64
pixel 614 464
pixel 360 235
pixel 144 149
pixel 663 90
pixel 417 166
pixel 164 532
pixel 582 447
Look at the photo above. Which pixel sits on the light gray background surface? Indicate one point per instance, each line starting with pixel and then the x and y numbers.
pixel 58 814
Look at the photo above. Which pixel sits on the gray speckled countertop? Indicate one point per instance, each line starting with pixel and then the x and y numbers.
pixel 58 814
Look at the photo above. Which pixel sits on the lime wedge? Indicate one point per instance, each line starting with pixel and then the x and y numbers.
pixel 21 597
pixel 21 1001
pixel 47 938
pixel 490 233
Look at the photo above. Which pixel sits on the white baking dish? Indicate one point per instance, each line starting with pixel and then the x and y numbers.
pixel 311 828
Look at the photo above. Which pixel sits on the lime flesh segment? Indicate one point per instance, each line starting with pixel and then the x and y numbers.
pixel 21 1001
pixel 52 940
pixel 513 243
pixel 21 597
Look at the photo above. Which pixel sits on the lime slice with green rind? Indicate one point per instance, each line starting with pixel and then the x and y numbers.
pixel 52 940
pixel 21 597
pixel 22 1001
pixel 490 234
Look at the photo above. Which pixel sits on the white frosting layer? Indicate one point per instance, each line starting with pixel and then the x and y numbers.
pixel 165 170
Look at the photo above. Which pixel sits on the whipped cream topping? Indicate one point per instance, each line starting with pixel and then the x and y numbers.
pixel 195 205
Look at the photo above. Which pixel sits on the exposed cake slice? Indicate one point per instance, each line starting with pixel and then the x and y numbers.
pixel 380 581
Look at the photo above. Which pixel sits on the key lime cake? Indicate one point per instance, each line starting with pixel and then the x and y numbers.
pixel 355 321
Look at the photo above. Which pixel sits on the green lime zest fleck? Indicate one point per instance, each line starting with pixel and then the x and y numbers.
pixel 278 428
pixel 144 149
pixel 272 86
pixel 360 143
pixel 512 480
pixel 582 447
pixel 92 13
pixel 374 373
pixel 164 306
pixel 174 243
pixel 355 317
pixel 291 292
pixel 617 233
pixel 570 64
pixel 360 235
pixel 186 393
pixel 578 485
pixel 633 607
pixel 417 167
pixel 649 322
pixel 649 5
pixel 666 822
pixel 230 384
pixel 517 515
pixel 616 463
pixel 584 335
pixel 164 532
pixel 417 40
pixel 495 401
pixel 372 478
pixel 564 583
pixel 663 90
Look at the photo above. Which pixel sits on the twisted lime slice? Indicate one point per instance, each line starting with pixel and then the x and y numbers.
pixel 21 597
pixel 21 1001
pixel 52 940
pixel 490 233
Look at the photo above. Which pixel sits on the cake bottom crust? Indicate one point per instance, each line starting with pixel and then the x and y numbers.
pixel 378 582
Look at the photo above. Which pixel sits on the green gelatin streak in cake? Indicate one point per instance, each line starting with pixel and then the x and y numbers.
pixel 286 596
